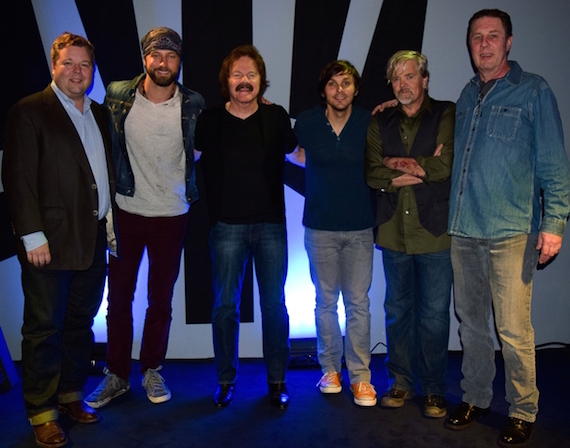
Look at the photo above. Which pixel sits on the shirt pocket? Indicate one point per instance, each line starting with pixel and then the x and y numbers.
pixel 503 122
pixel 461 121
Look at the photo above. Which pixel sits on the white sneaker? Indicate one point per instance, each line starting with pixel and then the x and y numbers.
pixel 112 386
pixel 156 389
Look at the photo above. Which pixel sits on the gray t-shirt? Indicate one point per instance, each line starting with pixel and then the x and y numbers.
pixel 156 152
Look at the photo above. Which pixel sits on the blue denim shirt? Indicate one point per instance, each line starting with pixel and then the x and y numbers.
pixel 510 172
pixel 119 100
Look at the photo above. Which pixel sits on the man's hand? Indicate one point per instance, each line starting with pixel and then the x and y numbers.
pixel 385 105
pixel 405 165
pixel 297 157
pixel 40 256
pixel 437 151
pixel 548 245
pixel 405 180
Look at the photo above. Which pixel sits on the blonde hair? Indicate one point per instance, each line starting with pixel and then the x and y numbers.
pixel 403 56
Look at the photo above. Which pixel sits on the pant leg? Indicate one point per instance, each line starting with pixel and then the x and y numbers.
pixel 165 241
pixel 269 243
pixel 45 306
pixel 323 251
pixel 230 253
pixel 472 293
pixel 123 273
pixel 513 263
pixel 434 277
pixel 59 309
pixel 356 257
pixel 85 295
pixel 400 319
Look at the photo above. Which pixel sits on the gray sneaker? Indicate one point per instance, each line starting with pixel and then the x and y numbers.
pixel 156 389
pixel 112 386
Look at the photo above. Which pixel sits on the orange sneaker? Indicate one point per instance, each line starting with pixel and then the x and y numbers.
pixel 330 383
pixel 364 393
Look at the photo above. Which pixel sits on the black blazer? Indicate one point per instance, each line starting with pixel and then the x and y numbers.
pixel 48 180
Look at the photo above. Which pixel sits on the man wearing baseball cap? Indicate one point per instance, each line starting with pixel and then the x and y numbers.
pixel 152 125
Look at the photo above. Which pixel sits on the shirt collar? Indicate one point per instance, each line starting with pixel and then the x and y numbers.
pixel 426 105
pixel 513 76
pixel 68 102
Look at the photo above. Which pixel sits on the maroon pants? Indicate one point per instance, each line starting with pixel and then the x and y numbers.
pixel 163 238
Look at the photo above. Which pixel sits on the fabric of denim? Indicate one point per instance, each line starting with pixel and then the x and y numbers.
pixel 508 147
pixel 232 245
pixel 163 238
pixel 341 262
pixel 418 295
pixel 59 309
pixel 119 100
pixel 496 275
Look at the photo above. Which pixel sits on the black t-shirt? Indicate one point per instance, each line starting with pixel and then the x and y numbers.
pixel 242 163
pixel 245 194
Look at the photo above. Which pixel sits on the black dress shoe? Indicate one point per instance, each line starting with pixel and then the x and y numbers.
pixel 464 416
pixel 516 433
pixel 278 395
pixel 224 395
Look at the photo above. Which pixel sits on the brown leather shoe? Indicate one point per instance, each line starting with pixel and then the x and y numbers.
pixel 79 411
pixel 50 435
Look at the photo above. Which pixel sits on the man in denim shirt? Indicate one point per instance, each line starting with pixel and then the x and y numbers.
pixel 508 209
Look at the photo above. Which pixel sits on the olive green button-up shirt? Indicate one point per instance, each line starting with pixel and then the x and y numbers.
pixel 404 232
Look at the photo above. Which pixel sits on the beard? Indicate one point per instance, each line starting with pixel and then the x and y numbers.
pixel 405 97
pixel 160 80
pixel 339 107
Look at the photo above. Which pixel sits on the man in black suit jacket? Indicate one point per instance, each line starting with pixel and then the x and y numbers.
pixel 58 177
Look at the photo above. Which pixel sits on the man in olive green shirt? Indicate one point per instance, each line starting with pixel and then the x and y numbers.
pixel 408 161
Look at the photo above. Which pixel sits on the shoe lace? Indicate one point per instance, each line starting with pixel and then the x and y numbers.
pixel 434 400
pixel 365 388
pixel 111 382
pixel 328 378
pixel 153 380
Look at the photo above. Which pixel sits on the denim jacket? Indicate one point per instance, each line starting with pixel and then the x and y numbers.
pixel 119 100
pixel 510 172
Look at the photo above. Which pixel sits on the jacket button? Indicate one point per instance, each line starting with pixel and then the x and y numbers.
pixel 94 186
pixel 95 213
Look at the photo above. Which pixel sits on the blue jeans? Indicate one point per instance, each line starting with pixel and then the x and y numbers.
pixel 232 245
pixel 418 294
pixel 496 274
pixel 341 262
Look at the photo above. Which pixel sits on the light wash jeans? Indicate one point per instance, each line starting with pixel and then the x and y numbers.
pixel 496 274
pixel 342 262
pixel 418 294
pixel 232 245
